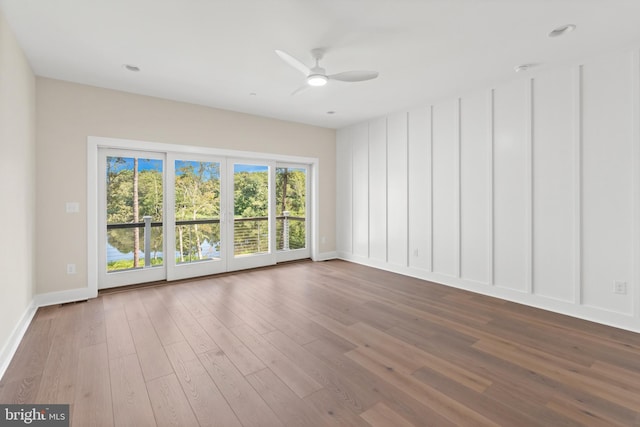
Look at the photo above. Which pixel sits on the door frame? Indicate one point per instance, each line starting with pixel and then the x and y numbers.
pixel 202 268
pixel 244 262
pixel 96 142
pixel 127 277
pixel 293 254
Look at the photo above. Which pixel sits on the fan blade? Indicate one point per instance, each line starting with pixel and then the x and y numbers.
pixel 354 76
pixel 300 89
pixel 294 62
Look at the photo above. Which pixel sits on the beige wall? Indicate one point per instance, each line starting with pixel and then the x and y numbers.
pixel 17 184
pixel 68 113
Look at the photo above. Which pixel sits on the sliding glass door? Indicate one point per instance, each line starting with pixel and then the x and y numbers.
pixel 251 214
pixel 131 220
pixel 195 216
pixel 292 207
pixel 174 216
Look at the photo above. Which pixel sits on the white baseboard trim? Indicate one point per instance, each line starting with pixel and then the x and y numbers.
pixel 11 346
pixel 593 314
pixel 63 297
pixel 325 256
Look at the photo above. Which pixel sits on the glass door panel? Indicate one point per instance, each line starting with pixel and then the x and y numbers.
pixel 132 218
pixel 252 214
pixel 291 212
pixel 195 215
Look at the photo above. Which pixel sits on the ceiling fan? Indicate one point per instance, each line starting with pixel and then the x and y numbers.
pixel 317 75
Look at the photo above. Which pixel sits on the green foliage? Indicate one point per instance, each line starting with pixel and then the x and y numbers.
pixel 251 195
pixel 120 178
pixel 127 264
pixel 291 186
pixel 197 192
pixel 197 196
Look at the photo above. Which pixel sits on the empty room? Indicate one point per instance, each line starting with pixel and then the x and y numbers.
pixel 315 213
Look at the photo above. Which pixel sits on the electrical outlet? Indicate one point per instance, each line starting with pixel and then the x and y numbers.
pixel 620 288
pixel 71 269
pixel 72 207
pixel 416 252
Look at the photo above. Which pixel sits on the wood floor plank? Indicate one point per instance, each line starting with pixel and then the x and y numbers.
pixel 256 322
pixel 554 368
pixel 31 355
pixel 131 405
pixel 119 341
pixel 380 415
pixel 286 369
pixel 382 343
pixel 58 380
pixel 209 405
pixel 354 397
pixel 20 391
pixel 199 340
pixel 133 306
pixel 167 330
pixel 240 355
pixel 444 405
pixel 194 305
pixel 583 414
pixel 170 405
pixel 91 328
pixel 379 390
pixel 291 409
pixel 274 318
pixel 480 403
pixel 327 404
pixel 149 349
pixel 249 407
pixel 92 405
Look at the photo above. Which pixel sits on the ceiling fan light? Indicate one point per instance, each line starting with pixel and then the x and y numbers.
pixel 317 80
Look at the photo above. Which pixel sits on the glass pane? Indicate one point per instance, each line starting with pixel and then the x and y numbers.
pixel 291 188
pixel 251 209
pixel 197 208
pixel 134 191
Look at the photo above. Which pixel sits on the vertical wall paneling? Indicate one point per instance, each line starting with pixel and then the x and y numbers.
pixel 475 193
pixel 528 189
pixel 509 165
pixel 444 181
pixel 419 181
pixel 635 73
pixel 378 189
pixel 344 195
pixel 397 202
pixel 457 186
pixel 554 190
pixel 360 144
pixel 431 245
pixel 490 187
pixel 607 181
pixel 577 184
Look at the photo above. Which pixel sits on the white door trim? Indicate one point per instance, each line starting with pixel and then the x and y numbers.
pixel 96 142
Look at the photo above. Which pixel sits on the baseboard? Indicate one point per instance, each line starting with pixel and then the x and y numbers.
pixel 11 346
pixel 325 256
pixel 62 297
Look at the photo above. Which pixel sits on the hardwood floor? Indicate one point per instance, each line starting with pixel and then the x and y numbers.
pixel 314 344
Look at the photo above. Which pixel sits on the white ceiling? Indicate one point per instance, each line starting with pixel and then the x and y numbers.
pixel 217 52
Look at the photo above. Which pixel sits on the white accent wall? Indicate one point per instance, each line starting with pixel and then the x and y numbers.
pixel 528 191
